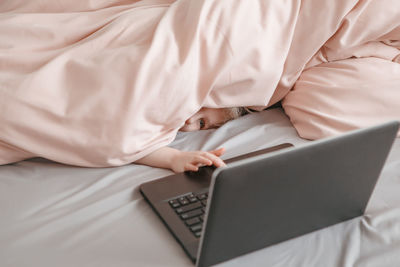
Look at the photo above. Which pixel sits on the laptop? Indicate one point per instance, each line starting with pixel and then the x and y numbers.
pixel 272 195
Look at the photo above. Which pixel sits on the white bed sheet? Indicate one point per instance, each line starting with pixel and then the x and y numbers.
pixel 57 215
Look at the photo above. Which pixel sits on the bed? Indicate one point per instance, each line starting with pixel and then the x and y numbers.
pixel 59 215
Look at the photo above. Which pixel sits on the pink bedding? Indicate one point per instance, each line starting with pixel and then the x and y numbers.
pixel 103 83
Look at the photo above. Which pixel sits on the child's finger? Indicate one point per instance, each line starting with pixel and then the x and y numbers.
pixel 202 160
pixel 218 152
pixel 191 167
pixel 215 160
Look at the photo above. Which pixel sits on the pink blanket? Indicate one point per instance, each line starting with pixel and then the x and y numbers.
pixel 103 83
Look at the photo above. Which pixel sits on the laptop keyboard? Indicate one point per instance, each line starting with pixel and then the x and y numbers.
pixel 191 208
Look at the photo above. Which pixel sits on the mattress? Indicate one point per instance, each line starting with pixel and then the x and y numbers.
pixel 58 215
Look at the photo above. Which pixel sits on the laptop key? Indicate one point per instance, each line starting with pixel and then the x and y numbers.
pixel 197 234
pixel 188 207
pixel 192 221
pixel 183 200
pixel 192 198
pixel 202 196
pixel 191 214
pixel 174 203
pixel 196 228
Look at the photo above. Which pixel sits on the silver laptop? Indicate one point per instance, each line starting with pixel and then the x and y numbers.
pixel 269 196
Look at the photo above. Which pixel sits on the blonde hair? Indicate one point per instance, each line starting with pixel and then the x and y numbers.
pixel 234 113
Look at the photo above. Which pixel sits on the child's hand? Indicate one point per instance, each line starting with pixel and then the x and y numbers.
pixel 192 160
pixel 180 161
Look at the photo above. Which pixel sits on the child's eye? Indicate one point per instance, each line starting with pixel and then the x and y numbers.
pixel 202 123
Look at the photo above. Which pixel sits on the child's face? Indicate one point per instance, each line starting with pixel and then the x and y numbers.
pixel 205 118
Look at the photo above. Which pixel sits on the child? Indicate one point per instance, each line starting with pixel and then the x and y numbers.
pixel 180 161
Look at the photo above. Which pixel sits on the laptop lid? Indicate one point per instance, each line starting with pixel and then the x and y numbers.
pixel 270 198
pixel 159 192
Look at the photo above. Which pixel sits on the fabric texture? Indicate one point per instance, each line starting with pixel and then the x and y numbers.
pixel 100 83
pixel 353 81
pixel 335 97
